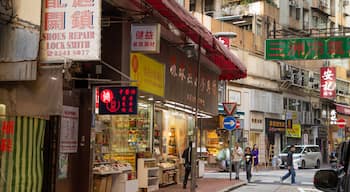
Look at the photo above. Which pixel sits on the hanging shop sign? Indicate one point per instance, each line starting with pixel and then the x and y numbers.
pixel 149 74
pixel 145 38
pixel 71 30
pixel 69 130
pixel 117 100
pixel 7 133
pixel 333 117
pixel 277 125
pixel 307 48
pixel 294 132
pixel 328 83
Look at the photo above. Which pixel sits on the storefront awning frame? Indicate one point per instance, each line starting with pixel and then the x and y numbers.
pixel 231 67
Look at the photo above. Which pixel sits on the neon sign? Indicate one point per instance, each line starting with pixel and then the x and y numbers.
pixel 117 100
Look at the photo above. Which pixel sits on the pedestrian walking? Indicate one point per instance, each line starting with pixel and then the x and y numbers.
pixel 237 157
pixel 186 155
pixel 248 159
pixel 255 153
pixel 290 165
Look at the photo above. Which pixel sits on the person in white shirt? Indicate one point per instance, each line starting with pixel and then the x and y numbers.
pixel 237 157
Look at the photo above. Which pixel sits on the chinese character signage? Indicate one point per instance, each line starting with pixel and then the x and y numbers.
pixel 145 38
pixel 328 83
pixel 225 41
pixel 333 117
pixel 277 125
pixel 149 74
pixel 295 132
pixel 69 130
pixel 117 100
pixel 71 30
pixel 7 133
pixel 307 48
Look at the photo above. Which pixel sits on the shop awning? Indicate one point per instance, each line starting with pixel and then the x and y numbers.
pixel 343 109
pixel 231 67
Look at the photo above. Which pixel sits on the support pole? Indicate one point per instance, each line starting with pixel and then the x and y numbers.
pixel 195 129
pixel 230 149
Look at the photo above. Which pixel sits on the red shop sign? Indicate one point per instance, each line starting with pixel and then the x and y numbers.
pixel 328 83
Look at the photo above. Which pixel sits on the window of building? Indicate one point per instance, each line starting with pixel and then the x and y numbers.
pixel 297 13
pixel 290 10
pixel 292 103
pixel 192 5
pixel 314 21
pixel 258 29
pixel 306 106
pixel 285 103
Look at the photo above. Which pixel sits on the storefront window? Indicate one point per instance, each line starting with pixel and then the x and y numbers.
pixel 120 137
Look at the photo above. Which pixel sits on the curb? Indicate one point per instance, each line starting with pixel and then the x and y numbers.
pixel 233 187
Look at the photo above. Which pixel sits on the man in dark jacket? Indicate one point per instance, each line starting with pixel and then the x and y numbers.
pixel 291 170
pixel 187 156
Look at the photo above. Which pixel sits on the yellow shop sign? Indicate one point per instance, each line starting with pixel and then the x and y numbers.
pixel 149 74
pixel 294 132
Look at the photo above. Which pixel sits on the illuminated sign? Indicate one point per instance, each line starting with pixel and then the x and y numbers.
pixel 277 125
pixel 117 100
pixel 307 48
pixel 7 132
pixel 328 83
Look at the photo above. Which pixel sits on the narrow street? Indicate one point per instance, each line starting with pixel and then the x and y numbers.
pixel 269 181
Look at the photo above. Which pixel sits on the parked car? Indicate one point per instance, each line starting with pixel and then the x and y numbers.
pixel 306 156
pixel 336 179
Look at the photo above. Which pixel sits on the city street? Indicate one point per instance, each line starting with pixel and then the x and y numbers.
pixel 269 181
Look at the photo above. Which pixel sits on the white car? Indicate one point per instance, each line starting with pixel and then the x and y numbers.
pixel 306 156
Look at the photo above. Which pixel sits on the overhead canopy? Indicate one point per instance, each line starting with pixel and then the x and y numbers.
pixel 231 67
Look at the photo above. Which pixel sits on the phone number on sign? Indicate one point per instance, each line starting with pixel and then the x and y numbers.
pixel 68 53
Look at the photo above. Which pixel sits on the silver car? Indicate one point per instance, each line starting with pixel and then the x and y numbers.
pixel 305 156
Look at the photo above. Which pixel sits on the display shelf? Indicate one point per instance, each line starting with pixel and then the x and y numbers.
pixel 148 174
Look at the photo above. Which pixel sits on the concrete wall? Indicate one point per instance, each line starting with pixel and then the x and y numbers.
pixel 29 10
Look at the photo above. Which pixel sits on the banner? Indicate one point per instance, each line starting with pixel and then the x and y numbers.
pixel 69 130
pixel 71 30
pixel 294 132
pixel 307 48
pixel 328 83
pixel 149 73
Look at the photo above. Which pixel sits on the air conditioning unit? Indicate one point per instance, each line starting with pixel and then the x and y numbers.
pixel 292 2
pixel 315 105
pixel 345 3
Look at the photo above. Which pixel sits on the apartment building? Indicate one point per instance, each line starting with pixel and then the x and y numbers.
pixel 281 90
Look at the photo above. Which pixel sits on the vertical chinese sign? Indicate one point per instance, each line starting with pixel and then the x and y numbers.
pixel 7 132
pixel 72 30
pixel 328 83
pixel 69 130
pixel 145 38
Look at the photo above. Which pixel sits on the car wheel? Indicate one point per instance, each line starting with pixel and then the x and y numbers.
pixel 303 166
pixel 318 164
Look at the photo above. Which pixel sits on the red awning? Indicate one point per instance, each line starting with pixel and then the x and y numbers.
pixel 231 67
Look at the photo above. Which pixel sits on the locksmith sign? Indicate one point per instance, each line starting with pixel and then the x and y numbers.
pixel 71 30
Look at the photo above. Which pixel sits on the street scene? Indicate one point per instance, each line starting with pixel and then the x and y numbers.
pixel 174 95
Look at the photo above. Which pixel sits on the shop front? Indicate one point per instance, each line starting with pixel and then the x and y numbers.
pixel 276 136
pixel 257 135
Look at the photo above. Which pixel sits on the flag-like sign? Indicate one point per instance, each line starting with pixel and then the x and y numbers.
pixel 328 83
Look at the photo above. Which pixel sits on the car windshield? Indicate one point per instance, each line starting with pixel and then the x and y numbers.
pixel 297 149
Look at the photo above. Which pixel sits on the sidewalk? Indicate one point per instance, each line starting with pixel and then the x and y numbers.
pixel 206 185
